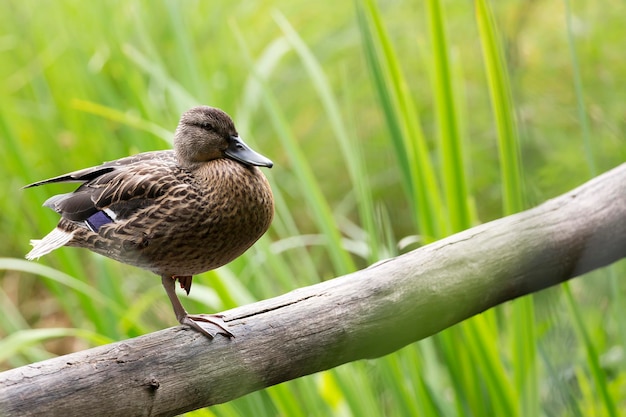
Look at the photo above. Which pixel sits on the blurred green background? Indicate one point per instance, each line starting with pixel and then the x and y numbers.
pixel 391 125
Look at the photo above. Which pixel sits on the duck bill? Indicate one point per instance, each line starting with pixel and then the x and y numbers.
pixel 239 151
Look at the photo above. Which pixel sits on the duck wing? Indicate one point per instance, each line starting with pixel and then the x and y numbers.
pixel 113 190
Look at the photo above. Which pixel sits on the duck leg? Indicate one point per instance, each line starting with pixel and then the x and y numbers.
pixel 169 283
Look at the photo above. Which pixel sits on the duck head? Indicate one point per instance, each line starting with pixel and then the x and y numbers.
pixel 206 133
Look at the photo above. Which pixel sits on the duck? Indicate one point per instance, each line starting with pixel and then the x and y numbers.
pixel 176 213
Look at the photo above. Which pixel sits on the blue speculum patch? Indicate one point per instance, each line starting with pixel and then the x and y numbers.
pixel 97 220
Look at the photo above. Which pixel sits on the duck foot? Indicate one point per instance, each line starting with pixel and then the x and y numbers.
pixel 215 320
pixel 217 325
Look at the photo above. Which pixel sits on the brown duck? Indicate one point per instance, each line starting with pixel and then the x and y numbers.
pixel 176 213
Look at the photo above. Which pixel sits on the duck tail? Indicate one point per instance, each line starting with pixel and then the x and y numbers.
pixel 53 240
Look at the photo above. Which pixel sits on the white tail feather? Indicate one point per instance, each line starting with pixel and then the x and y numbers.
pixel 53 240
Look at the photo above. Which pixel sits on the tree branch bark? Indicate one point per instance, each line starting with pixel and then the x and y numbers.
pixel 366 314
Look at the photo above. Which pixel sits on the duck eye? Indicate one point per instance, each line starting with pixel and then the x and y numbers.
pixel 207 126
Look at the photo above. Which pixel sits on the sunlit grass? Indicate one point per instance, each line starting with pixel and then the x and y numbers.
pixel 384 122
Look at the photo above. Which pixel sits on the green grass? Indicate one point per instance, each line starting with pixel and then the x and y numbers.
pixel 390 125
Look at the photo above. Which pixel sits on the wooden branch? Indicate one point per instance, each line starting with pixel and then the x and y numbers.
pixel 362 315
